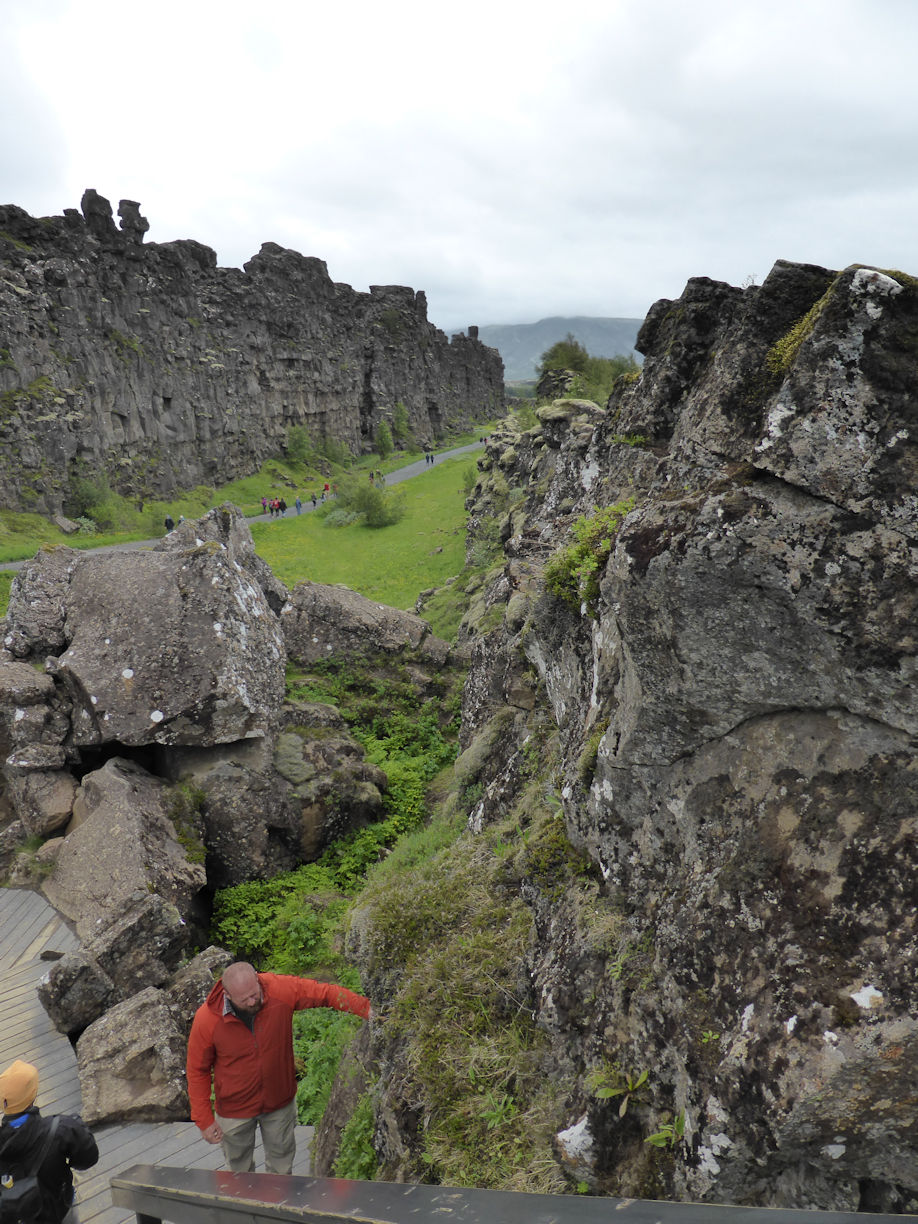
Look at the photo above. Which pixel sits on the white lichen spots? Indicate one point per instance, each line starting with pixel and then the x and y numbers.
pixel 566 792
pixel 19 715
pixel 127 673
pixel 832 569
pixel 834 1151
pixel 868 281
pixel 868 997
pixel 108 641
pixel 774 425
pixel 218 629
pixel 315 640
pixel 748 1013
pixel 156 716
pixel 198 541
pixel 94 699
pixel 830 1038
pixel 790 1025
pixel 588 474
pixel 706 1162
pixel 328 648
pixel 577 1142
pixel 901 435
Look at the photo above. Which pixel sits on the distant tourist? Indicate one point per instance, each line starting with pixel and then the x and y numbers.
pixel 43 1148
pixel 298 504
pixel 169 522
pixel 315 501
pixel 241 1048
pixel 264 505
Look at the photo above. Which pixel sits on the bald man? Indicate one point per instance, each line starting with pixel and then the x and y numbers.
pixel 241 1044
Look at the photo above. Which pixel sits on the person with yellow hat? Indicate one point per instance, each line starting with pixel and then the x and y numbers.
pixel 45 1148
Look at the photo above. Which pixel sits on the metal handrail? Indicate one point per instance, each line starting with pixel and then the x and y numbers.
pixel 200 1196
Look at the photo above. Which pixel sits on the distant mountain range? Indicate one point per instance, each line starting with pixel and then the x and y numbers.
pixel 521 345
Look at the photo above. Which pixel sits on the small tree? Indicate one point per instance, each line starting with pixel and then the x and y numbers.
pixel 299 443
pixel 401 425
pixel 566 354
pixel 383 444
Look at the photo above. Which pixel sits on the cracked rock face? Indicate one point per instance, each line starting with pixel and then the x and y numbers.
pixel 743 695
pixel 147 364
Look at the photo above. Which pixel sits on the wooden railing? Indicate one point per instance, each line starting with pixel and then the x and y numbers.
pixel 197 1196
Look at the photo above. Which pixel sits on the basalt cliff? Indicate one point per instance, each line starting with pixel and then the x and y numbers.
pixel 696 646
pixel 149 365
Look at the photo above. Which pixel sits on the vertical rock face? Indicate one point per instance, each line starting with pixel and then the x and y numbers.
pixel 151 365
pixel 733 683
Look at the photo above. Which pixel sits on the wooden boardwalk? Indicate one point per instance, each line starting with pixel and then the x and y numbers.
pixel 32 936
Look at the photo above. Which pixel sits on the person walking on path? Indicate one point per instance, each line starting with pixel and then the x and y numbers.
pixel 299 504
pixel 45 1148
pixel 169 523
pixel 241 1044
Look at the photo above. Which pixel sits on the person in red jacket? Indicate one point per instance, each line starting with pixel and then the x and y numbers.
pixel 241 1044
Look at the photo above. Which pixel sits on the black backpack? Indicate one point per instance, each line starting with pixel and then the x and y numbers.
pixel 23 1200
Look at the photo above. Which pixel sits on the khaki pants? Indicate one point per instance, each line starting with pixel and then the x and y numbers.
pixel 277 1136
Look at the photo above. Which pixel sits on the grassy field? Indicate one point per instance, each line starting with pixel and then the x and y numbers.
pixel 390 564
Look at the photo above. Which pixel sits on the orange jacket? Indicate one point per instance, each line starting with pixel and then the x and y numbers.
pixel 252 1071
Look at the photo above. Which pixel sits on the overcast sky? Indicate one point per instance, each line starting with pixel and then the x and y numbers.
pixel 513 159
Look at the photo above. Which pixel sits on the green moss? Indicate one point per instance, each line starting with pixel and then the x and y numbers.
pixel 40 390
pixel 550 861
pixel 782 354
pixel 126 345
pixel 16 242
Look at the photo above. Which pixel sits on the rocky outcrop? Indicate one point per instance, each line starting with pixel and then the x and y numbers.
pixel 708 586
pixel 147 364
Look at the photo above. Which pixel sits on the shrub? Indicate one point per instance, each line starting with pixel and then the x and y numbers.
pixel 299 444
pixel 366 503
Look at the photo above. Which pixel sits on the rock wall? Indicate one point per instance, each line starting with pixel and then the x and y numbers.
pixel 148 363
pixel 731 678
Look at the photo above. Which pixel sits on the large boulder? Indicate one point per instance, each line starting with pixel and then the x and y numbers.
pixel 183 649
pixel 131 1063
pixel 322 621
pixel 124 844
pixel 734 712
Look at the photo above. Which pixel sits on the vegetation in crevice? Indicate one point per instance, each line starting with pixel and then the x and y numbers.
pixel 574 572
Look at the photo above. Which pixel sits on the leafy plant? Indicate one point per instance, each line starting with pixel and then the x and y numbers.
pixel 670 1133
pixel 608 1082
pixel 356 1157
